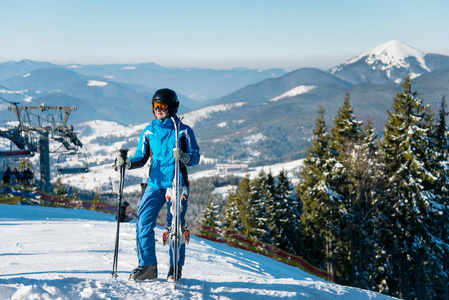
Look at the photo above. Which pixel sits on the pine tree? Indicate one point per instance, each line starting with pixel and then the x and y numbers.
pixel 239 216
pixel 246 202
pixel 345 136
pixel 211 215
pixel 231 219
pixel 59 188
pixel 364 174
pixel 263 197
pixel 285 218
pixel 346 130
pixel 96 202
pixel 408 164
pixel 313 191
pixel 441 220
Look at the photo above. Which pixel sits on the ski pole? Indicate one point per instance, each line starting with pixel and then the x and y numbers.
pixel 123 154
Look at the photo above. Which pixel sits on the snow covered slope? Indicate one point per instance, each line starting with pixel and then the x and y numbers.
pixel 56 253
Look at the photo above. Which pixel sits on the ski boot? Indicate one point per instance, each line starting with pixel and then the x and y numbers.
pixel 171 271
pixel 144 273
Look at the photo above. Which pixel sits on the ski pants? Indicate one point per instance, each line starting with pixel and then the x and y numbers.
pixel 150 205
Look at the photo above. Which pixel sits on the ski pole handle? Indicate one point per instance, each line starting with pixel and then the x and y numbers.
pixel 124 153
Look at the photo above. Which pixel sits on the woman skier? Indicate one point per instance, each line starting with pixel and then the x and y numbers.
pixel 157 143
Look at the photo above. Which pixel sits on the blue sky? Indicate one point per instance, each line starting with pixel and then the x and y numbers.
pixel 217 34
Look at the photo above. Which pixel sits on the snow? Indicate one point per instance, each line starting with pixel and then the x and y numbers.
pixel 12 92
pixel 193 117
pixel 23 93
pixel 96 83
pixel 225 190
pixel 253 139
pixel 391 54
pixel 394 53
pixel 101 155
pixel 102 141
pixel 57 253
pixel 128 68
pixel 302 89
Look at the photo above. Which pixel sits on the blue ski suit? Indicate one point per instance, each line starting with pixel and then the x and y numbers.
pixel 157 142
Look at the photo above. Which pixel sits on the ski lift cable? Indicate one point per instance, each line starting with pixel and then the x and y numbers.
pixel 49 115
pixel 23 95
pixel 12 103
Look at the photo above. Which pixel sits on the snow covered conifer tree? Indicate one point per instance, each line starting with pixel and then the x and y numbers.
pixel 407 155
pixel 363 171
pixel 231 219
pixel 211 215
pixel 346 129
pixel 313 191
pixel 285 218
pixel 345 135
pixel 441 204
pixel 263 194
pixel 239 215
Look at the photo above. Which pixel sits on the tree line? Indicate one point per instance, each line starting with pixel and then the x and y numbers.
pixel 373 212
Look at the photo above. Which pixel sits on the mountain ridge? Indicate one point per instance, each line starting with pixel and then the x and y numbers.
pixel 272 120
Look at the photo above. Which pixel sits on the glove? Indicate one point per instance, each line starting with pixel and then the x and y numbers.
pixel 120 162
pixel 179 154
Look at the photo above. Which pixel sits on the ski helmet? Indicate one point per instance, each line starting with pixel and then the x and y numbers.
pixel 168 97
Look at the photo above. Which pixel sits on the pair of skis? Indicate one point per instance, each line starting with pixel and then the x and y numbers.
pixel 175 194
pixel 176 236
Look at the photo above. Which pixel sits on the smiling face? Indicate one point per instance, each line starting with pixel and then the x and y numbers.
pixel 160 110
pixel 160 114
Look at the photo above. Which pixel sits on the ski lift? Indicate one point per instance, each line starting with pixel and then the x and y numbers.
pixel 11 171
pixel 72 163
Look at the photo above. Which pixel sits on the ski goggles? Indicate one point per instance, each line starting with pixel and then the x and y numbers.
pixel 159 105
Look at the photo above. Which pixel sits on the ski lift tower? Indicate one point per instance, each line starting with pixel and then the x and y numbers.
pixel 42 122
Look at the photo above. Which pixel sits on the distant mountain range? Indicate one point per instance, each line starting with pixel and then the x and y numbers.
pixel 256 116
pixel 276 121
pixel 118 92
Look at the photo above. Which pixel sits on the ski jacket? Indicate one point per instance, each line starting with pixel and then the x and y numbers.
pixel 157 142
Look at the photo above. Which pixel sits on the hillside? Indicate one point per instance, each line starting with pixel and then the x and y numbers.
pixel 56 253
pixel 262 123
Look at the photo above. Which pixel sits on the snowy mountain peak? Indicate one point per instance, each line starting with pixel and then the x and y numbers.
pixel 394 49
pixel 388 58
pixel 394 54
pixel 390 54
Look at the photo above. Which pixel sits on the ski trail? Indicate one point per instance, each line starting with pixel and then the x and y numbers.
pixel 72 259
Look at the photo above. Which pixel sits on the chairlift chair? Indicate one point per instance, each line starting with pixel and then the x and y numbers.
pixel 81 163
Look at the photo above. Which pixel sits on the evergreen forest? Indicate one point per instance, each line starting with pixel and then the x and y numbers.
pixel 373 212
